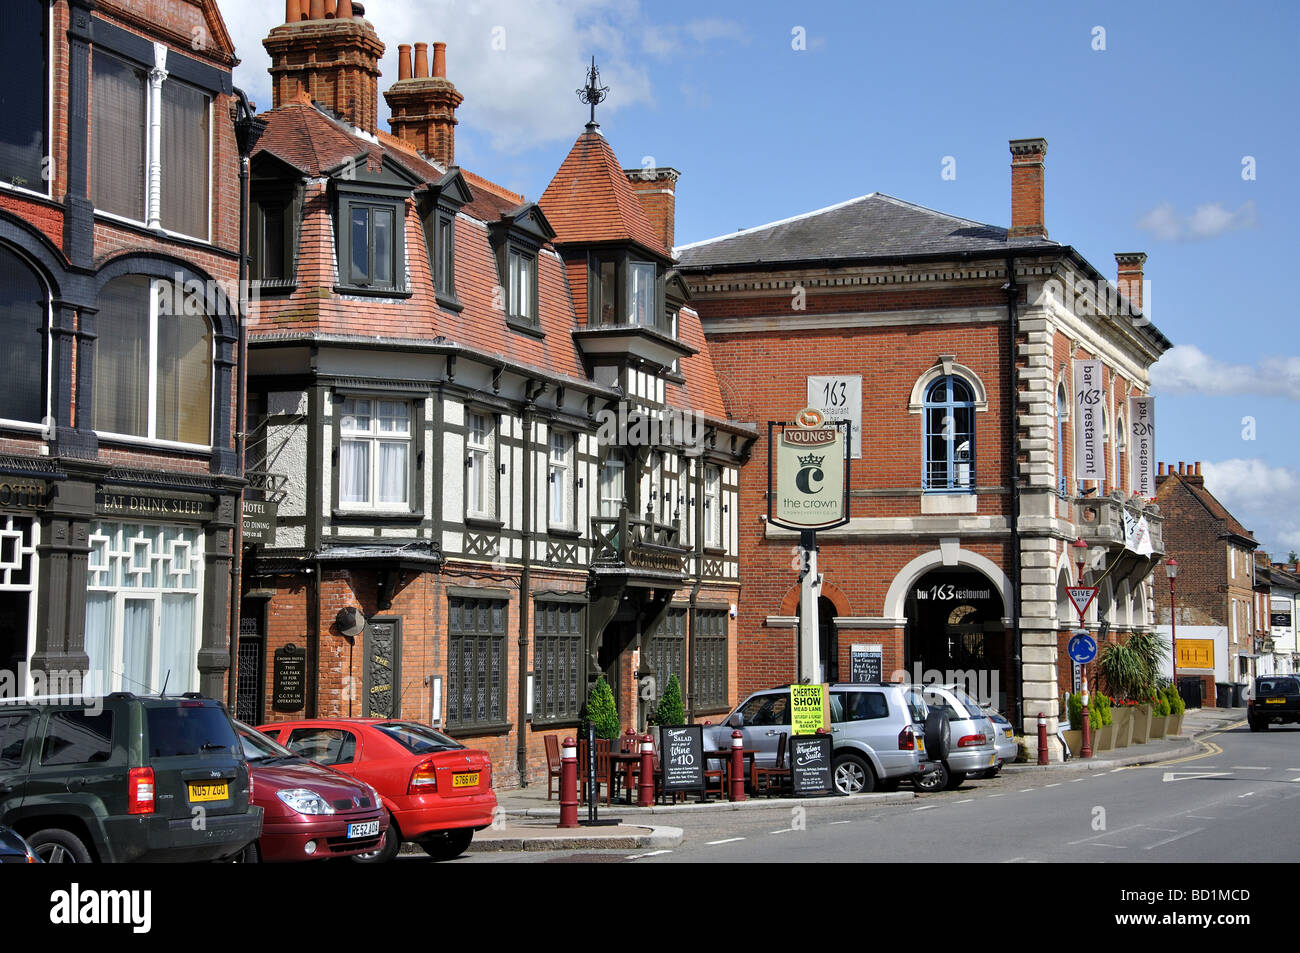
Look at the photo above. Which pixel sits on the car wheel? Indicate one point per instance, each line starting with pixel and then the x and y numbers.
pixel 938 735
pixel 387 849
pixel 955 779
pixel 55 846
pixel 251 854
pixel 448 845
pixel 853 775
pixel 934 781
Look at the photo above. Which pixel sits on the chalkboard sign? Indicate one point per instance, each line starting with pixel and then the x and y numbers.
pixel 810 764
pixel 865 664
pixel 682 755
pixel 289 691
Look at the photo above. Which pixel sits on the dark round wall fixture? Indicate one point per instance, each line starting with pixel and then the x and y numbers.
pixel 350 621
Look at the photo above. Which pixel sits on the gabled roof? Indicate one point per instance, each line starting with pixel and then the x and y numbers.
pixel 1196 489
pixel 590 200
pixel 870 226
pixel 301 135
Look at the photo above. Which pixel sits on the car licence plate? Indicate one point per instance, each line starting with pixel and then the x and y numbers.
pixel 203 791
pixel 465 780
pixel 1274 701
pixel 1007 732
pixel 920 744
pixel 368 829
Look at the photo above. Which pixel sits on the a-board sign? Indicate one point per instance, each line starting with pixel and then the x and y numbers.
pixel 682 754
pixel 810 764
pixel 807 709
pixel 289 679
pixel 866 664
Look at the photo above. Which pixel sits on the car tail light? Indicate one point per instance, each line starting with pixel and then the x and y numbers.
pixel 907 739
pixel 971 741
pixel 424 779
pixel 139 782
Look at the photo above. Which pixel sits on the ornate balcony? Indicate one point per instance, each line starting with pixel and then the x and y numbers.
pixel 625 545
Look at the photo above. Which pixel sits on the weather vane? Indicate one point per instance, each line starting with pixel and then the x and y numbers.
pixel 593 92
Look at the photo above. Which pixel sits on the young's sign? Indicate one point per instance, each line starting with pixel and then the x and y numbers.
pixel 808 472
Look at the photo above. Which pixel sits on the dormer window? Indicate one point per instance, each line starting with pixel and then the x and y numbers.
pixel 517 238
pixel 641 308
pixel 438 211
pixel 370 228
pixel 522 271
pixel 625 292
pixel 273 238
pixel 371 244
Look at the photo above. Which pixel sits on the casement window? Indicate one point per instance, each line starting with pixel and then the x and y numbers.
pixel 712 514
pixel 949 414
pixel 612 486
pixel 521 271
pixel 480 465
pixel 272 240
pixel 444 254
pixel 144 606
pixel 24 328
pixel 125 97
pixel 371 248
pixel 605 301
pixel 153 364
pixel 709 659
pixel 560 477
pixel 25 96
pixel 625 292
pixel 557 661
pixel 641 297
pixel 476 663
pixel 666 651
pixel 375 454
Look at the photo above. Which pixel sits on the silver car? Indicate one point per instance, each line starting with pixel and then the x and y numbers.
pixel 877 731
pixel 971 745
pixel 1005 742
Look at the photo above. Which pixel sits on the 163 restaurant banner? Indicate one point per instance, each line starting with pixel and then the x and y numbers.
pixel 808 472
pixel 1142 445
pixel 1089 456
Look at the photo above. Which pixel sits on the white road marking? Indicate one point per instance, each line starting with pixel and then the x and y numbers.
pixel 833 823
pixel 1117 846
pixel 728 840
pixel 1247 794
pixel 1247 767
pixel 964 801
pixel 1189 775
pixel 1024 790
pixel 926 808
pixel 1201 817
pixel 1013 860
pixel 1056 785
pixel 1003 794
pixel 653 853
pixel 1121 768
pixel 1085 840
pixel 1170 840
pixel 784 830
pixel 1077 780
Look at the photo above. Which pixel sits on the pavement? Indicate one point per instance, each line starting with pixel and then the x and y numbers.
pixel 527 820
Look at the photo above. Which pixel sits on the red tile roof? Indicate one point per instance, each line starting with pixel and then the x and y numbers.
pixel 590 200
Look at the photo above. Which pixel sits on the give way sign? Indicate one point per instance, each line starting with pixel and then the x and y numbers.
pixel 1081 596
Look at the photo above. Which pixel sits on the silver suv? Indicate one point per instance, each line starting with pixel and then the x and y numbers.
pixel 970 746
pixel 878 733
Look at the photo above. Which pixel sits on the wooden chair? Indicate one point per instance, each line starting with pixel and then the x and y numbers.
pixel 718 775
pixel 778 776
pixel 553 764
pixel 604 776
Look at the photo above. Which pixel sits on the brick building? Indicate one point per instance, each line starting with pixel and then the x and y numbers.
pixel 950 343
pixel 489 428
pixel 119 237
pixel 1215 590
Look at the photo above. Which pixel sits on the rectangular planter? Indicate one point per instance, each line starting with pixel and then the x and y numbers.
pixel 1175 725
pixel 1141 724
pixel 1075 740
pixel 1158 724
pixel 1103 738
pixel 1123 724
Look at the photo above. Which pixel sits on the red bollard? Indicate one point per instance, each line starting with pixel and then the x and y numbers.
pixel 1042 738
pixel 568 783
pixel 737 766
pixel 647 790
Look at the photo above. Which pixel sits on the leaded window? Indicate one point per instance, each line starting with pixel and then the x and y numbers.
pixel 476 663
pixel 557 660
pixel 666 650
pixel 709 659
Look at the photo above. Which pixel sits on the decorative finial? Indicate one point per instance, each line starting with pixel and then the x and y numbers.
pixel 593 93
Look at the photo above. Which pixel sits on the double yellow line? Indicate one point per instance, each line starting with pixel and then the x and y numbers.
pixel 1210 748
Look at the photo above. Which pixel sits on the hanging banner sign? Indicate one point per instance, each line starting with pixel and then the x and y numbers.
pixel 808 473
pixel 1089 455
pixel 839 398
pixel 1137 533
pixel 1142 445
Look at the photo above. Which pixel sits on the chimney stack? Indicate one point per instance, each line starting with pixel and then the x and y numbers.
pixel 1028 219
pixel 424 106
pixel 1129 281
pixel 656 191
pixel 332 53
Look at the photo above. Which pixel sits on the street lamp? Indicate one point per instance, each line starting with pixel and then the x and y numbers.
pixel 1171 569
pixel 1080 556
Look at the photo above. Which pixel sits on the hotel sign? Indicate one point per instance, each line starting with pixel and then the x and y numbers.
pixel 808 472
pixel 18 494
pixel 259 521
pixel 152 504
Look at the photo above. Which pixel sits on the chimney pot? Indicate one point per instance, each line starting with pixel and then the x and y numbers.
pixel 1160 469
pixel 1028 218
pixel 440 60
pixel 422 61
pixel 345 11
pixel 316 10
pixel 403 61
pixel 292 11
pixel 1181 468
pixel 331 9
pixel 1198 467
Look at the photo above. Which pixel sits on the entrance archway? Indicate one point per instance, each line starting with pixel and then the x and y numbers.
pixel 955 632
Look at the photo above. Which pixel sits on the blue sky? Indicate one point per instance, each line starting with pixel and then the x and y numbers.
pixel 1146 145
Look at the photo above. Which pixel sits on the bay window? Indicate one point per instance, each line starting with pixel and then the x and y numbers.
pixel 375 454
pixel 641 309
pixel 153 364
pixel 24 96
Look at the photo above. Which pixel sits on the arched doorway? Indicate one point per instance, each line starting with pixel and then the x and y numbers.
pixel 955 632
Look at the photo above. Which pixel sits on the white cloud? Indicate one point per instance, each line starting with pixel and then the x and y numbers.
pixel 1265 499
pixel 1187 369
pixel 1207 221
pixel 517 97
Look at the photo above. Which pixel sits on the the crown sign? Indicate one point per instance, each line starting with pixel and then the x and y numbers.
pixel 812 460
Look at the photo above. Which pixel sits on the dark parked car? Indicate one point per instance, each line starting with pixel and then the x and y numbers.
pixel 15 850
pixel 311 812
pixel 125 777
pixel 1276 700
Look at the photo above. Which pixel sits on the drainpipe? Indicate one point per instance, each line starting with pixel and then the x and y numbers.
pixel 1017 671
pixel 533 390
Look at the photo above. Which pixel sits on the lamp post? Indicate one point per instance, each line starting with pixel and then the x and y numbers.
pixel 1080 556
pixel 1171 570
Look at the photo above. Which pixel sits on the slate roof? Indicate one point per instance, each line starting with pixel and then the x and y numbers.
pixel 870 226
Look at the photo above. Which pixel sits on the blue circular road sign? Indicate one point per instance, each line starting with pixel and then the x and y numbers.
pixel 1082 648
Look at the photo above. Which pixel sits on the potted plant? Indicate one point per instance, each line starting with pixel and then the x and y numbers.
pixel 1129 670
pixel 601 711
pixel 1103 729
pixel 670 710
pixel 1074 735
pixel 1177 707
pixel 1159 715
pixel 1121 714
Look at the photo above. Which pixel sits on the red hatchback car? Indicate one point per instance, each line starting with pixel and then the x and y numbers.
pixel 437 791
pixel 309 812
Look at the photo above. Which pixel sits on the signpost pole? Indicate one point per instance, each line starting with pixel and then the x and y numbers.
pixel 809 641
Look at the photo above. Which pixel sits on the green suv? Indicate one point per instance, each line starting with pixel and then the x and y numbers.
pixel 125 777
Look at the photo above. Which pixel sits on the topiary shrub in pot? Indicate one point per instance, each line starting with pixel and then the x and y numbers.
pixel 670 710
pixel 601 711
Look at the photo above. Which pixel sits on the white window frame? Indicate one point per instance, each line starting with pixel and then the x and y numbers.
pixel 523 284
pixel 374 436
pixel 23 555
pixel 712 512
pixel 480 465
pixel 559 477
pixel 150 438
pixel 153 143
pixel 616 467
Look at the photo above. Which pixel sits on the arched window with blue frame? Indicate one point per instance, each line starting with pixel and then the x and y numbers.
pixel 1062 411
pixel 949 413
